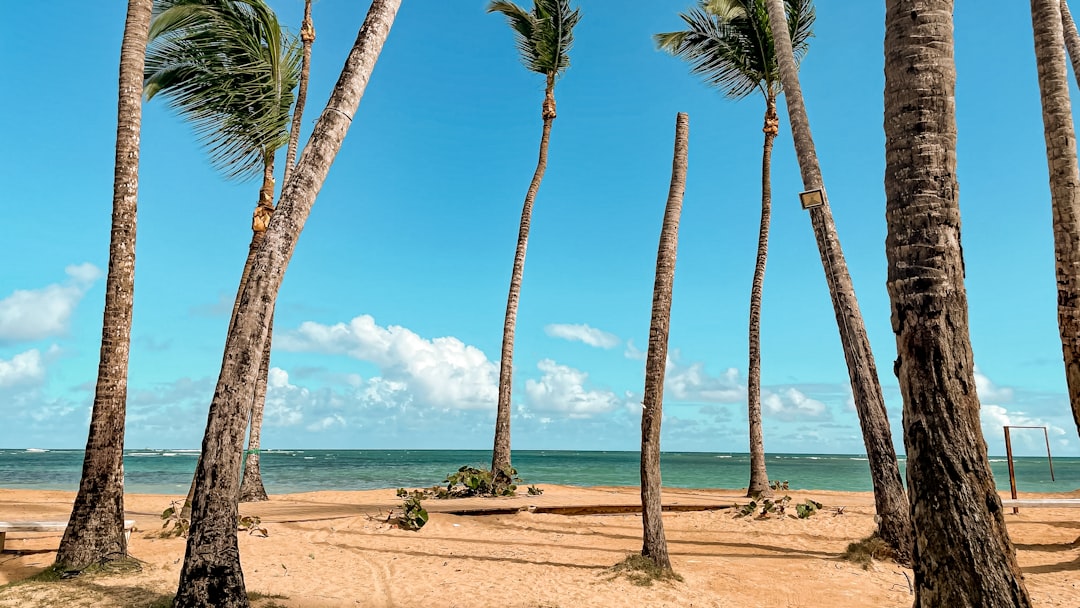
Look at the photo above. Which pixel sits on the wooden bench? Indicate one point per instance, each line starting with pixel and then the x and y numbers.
pixel 46 526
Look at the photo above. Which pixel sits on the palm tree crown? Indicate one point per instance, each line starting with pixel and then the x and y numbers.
pixel 544 36
pixel 231 70
pixel 729 43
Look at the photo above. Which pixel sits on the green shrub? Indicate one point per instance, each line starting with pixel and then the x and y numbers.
pixel 413 514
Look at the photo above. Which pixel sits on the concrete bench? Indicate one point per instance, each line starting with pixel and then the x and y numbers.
pixel 46 526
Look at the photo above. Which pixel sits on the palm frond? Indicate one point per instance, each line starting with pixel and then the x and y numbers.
pixel 228 68
pixel 543 36
pixel 728 43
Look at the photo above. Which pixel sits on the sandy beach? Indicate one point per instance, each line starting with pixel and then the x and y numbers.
pixel 330 549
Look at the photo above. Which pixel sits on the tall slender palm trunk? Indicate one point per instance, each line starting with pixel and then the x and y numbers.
pixel 500 454
pixel 759 477
pixel 1072 39
pixel 654 544
pixel 307 38
pixel 894 521
pixel 211 574
pixel 962 556
pixel 1049 19
pixel 95 530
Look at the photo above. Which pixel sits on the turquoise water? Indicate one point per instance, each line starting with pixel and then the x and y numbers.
pixel 169 471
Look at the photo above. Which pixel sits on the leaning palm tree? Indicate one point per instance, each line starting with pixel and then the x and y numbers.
pixel 1064 176
pixel 211 575
pixel 544 37
pixel 894 521
pixel 95 531
pixel 729 44
pixel 962 555
pixel 228 67
pixel 654 542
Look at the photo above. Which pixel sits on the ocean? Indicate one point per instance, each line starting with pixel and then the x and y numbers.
pixel 285 471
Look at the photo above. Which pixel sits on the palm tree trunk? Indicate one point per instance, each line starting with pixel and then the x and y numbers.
pixel 211 574
pixel 500 453
pixel 962 556
pixel 759 477
pixel 1064 180
pixel 260 219
pixel 307 37
pixel 1072 39
pixel 654 545
pixel 95 531
pixel 894 521
pixel 251 485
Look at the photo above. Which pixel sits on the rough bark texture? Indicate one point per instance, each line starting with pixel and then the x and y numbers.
pixel 894 521
pixel 211 574
pixel 95 531
pixel 759 477
pixel 1047 18
pixel 500 453
pixel 1072 39
pixel 251 484
pixel 307 38
pixel 962 556
pixel 654 545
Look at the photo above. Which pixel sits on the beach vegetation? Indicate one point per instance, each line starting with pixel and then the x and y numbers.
pixel 891 503
pixel 643 571
pixel 413 514
pixel 174 521
pixel 95 530
pixel 543 37
pixel 868 550
pixel 535 491
pixel 729 44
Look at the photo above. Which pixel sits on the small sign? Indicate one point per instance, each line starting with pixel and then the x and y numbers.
pixel 812 198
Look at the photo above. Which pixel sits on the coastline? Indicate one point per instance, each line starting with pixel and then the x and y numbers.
pixel 335 548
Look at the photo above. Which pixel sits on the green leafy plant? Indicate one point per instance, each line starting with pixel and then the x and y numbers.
pixel 174 523
pixel 808 508
pixel 252 524
pixel 779 485
pixel 413 514
pixel 535 491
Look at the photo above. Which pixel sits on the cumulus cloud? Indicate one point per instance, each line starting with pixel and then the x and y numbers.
pixel 693 383
pixel 791 404
pixel 990 392
pixel 440 373
pixel 562 390
pixel 993 416
pixel 24 369
pixel 583 333
pixel 34 314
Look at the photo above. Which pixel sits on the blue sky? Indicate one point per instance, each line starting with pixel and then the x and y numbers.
pixel 389 321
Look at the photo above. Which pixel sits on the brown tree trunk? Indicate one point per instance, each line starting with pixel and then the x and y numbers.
pixel 500 453
pixel 1072 39
pixel 894 521
pixel 654 545
pixel 211 574
pixel 251 484
pixel 95 531
pixel 1064 179
pixel 759 477
pixel 307 37
pixel 962 556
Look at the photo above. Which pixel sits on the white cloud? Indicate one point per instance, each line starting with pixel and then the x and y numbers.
pixel 693 383
pixel 993 416
pixel 440 373
pixel 41 313
pixel 988 391
pixel 24 369
pixel 583 333
pixel 791 404
pixel 327 422
pixel 562 390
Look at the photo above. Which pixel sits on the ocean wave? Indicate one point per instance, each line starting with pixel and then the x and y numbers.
pixel 35 450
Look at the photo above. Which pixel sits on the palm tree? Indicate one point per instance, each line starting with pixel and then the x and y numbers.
pixel 962 556
pixel 1064 175
pixel 1072 43
pixel 544 37
pixel 227 66
pixel 251 485
pixel 654 545
pixel 894 521
pixel 95 531
pixel 729 44
pixel 211 575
